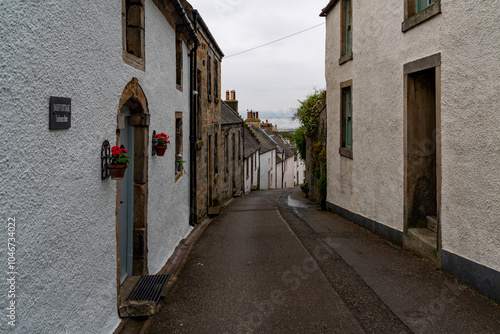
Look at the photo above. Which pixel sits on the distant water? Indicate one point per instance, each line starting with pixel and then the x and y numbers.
pixel 283 123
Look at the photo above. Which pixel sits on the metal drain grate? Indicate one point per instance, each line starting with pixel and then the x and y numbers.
pixel 148 288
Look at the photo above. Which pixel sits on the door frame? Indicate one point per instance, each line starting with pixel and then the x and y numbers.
pixel 433 61
pixel 133 97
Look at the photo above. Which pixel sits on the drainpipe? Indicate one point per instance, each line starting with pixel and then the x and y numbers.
pixel 282 169
pixel 193 217
pixel 192 106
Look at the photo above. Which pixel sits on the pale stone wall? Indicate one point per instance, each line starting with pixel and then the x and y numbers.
pixel 266 168
pixel 51 185
pixel 279 175
pixel 371 184
pixel 289 173
pixel 299 170
pixel 252 170
pixel 231 173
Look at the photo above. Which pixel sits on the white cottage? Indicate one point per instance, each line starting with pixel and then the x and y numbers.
pixel 251 163
pixel 414 128
pixel 115 71
pixel 267 158
pixel 285 166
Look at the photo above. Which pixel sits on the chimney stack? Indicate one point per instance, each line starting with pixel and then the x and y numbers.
pixel 231 100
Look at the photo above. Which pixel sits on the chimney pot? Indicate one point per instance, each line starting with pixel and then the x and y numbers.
pixel 257 114
pixel 233 95
pixel 227 95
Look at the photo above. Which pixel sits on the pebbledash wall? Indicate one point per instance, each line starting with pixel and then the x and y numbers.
pixel 50 182
pixel 370 186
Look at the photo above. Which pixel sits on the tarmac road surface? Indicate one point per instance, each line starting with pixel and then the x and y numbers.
pixel 272 262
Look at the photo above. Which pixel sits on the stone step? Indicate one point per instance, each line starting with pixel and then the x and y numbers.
pixel 423 242
pixel 432 223
pixel 214 211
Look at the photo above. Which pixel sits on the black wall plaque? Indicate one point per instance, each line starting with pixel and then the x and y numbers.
pixel 60 113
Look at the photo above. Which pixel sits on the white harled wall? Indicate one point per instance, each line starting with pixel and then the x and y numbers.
pixel 265 167
pixel 371 184
pixel 50 181
pixel 253 172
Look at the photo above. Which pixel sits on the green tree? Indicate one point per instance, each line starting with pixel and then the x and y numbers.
pixel 309 110
pixel 300 142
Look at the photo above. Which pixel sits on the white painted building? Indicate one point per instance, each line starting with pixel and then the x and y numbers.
pixel 414 128
pixel 285 166
pixel 118 65
pixel 299 170
pixel 267 158
pixel 251 163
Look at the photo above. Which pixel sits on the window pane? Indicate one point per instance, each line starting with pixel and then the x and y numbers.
pixel 348 139
pixel 422 4
pixel 348 26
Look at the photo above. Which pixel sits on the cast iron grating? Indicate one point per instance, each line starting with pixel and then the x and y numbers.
pixel 149 288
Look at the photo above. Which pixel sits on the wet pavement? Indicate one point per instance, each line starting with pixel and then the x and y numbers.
pixel 272 262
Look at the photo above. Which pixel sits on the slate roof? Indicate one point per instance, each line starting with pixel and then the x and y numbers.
pixel 266 143
pixel 284 146
pixel 228 115
pixel 250 144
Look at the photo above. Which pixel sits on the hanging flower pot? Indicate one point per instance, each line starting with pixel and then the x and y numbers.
pixel 160 142
pixel 160 150
pixel 118 162
pixel 117 172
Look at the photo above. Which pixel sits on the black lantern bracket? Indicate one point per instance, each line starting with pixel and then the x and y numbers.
pixel 153 148
pixel 105 155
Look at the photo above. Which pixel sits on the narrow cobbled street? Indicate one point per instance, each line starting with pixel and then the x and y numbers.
pixel 272 262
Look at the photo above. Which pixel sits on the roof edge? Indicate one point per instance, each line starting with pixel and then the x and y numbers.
pixel 328 7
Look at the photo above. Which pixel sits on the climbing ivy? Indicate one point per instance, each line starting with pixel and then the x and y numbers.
pixel 309 110
pixel 309 142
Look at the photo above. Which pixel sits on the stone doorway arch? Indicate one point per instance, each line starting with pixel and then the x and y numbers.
pixel 134 101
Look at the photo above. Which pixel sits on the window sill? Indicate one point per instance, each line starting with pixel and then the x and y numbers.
pixel 422 16
pixel 345 58
pixel 133 61
pixel 345 152
pixel 178 175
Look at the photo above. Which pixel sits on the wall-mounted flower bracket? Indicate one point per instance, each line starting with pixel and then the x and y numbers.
pixel 159 143
pixel 105 154
pixel 153 148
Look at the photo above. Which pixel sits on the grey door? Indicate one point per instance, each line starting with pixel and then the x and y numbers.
pixel 125 213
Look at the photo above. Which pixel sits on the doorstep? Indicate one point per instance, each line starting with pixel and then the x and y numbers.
pixel 423 242
pixel 214 211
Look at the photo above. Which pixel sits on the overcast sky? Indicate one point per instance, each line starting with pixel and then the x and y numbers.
pixel 274 77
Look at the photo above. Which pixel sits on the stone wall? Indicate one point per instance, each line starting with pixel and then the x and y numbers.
pixel 231 161
pixel 316 161
pixel 209 146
